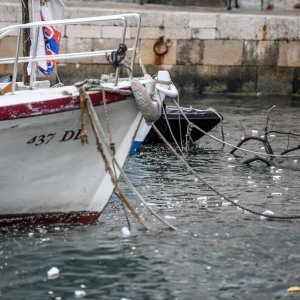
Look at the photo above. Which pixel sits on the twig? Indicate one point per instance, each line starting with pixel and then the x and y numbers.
pixel 255 158
pixel 290 150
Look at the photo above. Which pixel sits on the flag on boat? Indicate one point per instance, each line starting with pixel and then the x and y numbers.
pixel 49 36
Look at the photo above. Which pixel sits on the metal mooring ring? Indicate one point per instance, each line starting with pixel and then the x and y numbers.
pixel 161 47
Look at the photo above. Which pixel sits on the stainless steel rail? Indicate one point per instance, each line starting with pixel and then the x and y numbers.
pixel 35 27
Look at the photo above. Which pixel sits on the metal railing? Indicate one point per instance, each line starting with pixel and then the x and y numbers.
pixel 35 26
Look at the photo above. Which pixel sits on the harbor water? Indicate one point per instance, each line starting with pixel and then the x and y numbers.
pixel 218 251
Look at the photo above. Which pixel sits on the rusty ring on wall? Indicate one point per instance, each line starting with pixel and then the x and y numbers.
pixel 161 47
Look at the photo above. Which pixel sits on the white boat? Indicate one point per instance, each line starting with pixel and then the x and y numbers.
pixel 47 175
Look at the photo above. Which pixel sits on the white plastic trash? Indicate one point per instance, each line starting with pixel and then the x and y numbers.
pixel 79 294
pixel 254 132
pixel 53 273
pixel 126 232
pixel 266 213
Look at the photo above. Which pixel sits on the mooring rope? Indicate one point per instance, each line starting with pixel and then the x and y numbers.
pixel 127 180
pixel 171 131
pixel 96 85
pixel 99 131
pixel 88 105
pixel 230 145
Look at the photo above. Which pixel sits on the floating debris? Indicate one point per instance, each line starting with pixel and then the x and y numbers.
pixel 53 273
pixel 294 289
pixel 79 294
pixel 170 217
pixel 266 213
pixel 254 132
pixel 276 194
pixel 126 232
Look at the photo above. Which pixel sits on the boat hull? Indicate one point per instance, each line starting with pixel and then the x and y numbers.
pixel 48 176
pixel 204 119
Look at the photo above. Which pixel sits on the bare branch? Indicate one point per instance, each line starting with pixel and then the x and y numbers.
pixel 257 158
pixel 244 140
pixel 268 114
pixel 290 150
pixel 283 132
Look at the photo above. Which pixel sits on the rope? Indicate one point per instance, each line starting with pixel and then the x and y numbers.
pixel 88 104
pixel 228 144
pixel 188 137
pixel 189 168
pixel 115 57
pixel 100 132
pixel 128 182
pixel 171 131
pixel 97 85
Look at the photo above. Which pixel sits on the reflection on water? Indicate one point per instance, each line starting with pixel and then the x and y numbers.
pixel 220 252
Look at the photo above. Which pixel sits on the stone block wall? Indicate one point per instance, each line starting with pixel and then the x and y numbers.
pixel 215 51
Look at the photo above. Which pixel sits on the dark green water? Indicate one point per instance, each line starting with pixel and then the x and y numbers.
pixel 220 252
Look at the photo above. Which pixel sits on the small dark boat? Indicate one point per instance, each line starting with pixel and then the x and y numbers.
pixel 204 119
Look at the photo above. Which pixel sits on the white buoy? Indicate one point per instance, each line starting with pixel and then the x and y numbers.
pixel 53 273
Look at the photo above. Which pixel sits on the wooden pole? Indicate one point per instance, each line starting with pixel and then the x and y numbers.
pixel 26 39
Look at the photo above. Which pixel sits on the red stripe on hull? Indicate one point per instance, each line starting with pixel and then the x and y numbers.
pixel 58 105
pixel 53 218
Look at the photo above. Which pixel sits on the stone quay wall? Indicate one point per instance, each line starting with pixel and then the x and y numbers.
pixel 208 50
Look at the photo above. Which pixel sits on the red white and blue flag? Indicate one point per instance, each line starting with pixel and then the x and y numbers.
pixel 49 36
